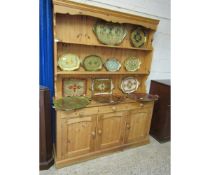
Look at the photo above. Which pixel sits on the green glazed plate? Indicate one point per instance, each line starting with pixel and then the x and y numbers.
pixel 138 37
pixel 110 33
pixel 92 63
pixel 132 64
pixel 71 103
pixel 69 62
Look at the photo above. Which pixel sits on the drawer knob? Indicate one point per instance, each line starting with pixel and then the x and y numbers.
pixel 99 132
pixel 141 105
pixel 128 126
pixel 93 133
pixel 114 108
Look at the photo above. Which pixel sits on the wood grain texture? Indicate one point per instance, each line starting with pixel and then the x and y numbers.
pixel 99 128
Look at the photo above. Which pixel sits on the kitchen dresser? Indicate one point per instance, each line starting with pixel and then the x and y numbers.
pixel 99 128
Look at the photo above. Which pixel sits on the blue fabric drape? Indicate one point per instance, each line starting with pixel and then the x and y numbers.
pixel 46 45
pixel 46 73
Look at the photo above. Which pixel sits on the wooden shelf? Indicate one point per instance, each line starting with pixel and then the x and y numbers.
pixel 107 46
pixel 99 73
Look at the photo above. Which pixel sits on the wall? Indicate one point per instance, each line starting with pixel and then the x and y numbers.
pixel 158 9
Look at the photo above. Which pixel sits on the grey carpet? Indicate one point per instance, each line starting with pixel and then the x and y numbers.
pixel 150 159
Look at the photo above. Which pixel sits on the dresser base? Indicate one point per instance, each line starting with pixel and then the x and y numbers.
pixel 93 155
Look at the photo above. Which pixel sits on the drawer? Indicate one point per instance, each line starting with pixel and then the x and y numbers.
pixel 78 112
pixel 123 107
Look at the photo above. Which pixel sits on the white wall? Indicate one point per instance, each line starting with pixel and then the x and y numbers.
pixel 158 9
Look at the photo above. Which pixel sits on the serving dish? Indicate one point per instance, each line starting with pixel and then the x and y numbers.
pixel 129 85
pixel 71 103
pixel 110 98
pixel 109 33
pixel 102 86
pixel 74 87
pixel 112 65
pixel 138 37
pixel 132 64
pixel 142 97
pixel 92 63
pixel 69 62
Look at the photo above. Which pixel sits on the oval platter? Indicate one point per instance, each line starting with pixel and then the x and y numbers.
pixel 109 33
pixel 132 64
pixel 129 85
pixel 138 37
pixel 69 62
pixel 112 65
pixel 92 63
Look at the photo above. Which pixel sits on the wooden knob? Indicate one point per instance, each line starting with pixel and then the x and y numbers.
pixel 93 133
pixel 99 132
pixel 114 108
pixel 141 105
pixel 128 126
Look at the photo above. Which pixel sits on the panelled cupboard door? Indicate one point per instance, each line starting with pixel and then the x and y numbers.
pixel 137 125
pixel 78 135
pixel 110 129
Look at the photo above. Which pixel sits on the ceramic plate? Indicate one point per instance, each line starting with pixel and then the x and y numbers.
pixel 102 86
pixel 92 63
pixel 132 64
pixel 138 37
pixel 109 33
pixel 129 85
pixel 143 97
pixel 69 62
pixel 71 103
pixel 74 87
pixel 112 65
pixel 111 99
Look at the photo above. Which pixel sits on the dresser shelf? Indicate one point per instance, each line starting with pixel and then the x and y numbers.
pixel 101 45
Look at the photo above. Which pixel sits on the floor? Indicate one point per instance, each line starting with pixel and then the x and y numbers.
pixel 150 159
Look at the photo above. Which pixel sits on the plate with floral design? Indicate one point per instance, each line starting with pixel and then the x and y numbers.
pixel 69 62
pixel 138 37
pixel 112 65
pixel 132 64
pixel 129 85
pixel 74 87
pixel 110 33
pixel 102 86
pixel 92 63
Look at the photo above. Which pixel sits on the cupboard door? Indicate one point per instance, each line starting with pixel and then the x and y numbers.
pixel 137 125
pixel 78 135
pixel 110 129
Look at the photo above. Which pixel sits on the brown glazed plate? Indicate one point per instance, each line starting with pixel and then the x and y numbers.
pixel 111 99
pixel 142 97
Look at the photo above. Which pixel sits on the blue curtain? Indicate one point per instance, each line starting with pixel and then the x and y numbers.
pixel 46 72
pixel 46 45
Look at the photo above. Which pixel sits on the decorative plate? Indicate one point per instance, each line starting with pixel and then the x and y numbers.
pixel 129 85
pixel 71 103
pixel 69 62
pixel 112 65
pixel 74 87
pixel 92 63
pixel 110 33
pixel 102 86
pixel 138 37
pixel 111 99
pixel 143 97
pixel 132 64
